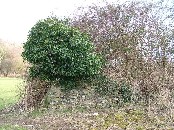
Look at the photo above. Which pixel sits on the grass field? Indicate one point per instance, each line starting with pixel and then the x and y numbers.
pixel 9 90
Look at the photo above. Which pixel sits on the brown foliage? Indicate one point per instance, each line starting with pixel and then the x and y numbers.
pixel 136 43
pixel 35 92
pixel 134 40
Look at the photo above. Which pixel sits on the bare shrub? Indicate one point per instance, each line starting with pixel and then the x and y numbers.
pixel 35 92
pixel 135 41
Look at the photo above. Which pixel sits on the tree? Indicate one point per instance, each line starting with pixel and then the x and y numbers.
pixel 134 39
pixel 2 52
pixel 11 61
pixel 7 61
pixel 59 52
pixel 6 67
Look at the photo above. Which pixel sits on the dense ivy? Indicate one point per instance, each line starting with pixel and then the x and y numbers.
pixel 108 87
pixel 57 51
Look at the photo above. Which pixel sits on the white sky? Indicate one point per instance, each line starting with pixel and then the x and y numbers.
pixel 18 16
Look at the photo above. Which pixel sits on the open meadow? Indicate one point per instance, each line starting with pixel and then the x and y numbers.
pixel 9 91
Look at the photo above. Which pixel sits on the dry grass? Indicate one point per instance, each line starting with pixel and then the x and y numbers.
pixel 128 117
pixel 72 112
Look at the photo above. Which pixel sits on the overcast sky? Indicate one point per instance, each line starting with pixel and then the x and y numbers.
pixel 18 16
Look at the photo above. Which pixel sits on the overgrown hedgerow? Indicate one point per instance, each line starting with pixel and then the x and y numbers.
pixel 59 52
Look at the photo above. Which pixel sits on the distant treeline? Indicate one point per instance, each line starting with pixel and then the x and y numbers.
pixel 11 62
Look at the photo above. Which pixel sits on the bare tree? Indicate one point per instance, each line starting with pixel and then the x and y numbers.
pixel 136 41
pixel 11 61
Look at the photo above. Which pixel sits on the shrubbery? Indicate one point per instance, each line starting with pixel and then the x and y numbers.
pixel 107 87
pixel 63 56
pixel 59 52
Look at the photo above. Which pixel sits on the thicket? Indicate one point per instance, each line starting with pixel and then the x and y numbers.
pixel 61 55
pixel 134 39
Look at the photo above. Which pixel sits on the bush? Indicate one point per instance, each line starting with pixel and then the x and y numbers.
pixel 121 33
pixel 125 92
pixel 107 87
pixel 59 52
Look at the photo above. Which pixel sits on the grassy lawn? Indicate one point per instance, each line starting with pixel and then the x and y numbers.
pixel 11 127
pixel 9 90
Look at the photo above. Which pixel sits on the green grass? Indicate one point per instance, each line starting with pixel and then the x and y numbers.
pixel 9 90
pixel 11 127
